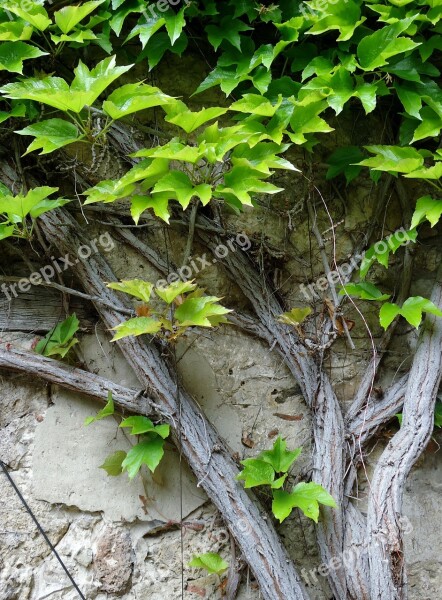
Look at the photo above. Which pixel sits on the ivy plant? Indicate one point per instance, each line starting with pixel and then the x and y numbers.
pixel 148 450
pixel 271 468
pixel 60 339
pixel 183 305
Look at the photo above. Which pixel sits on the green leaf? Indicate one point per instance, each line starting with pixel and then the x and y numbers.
pixel 364 291
pixel 14 31
pixel 19 110
pixel 107 411
pixel 66 18
pixel 89 84
pixel 6 231
pixel 31 12
pixel 134 97
pixel 182 117
pixel 280 458
pixel 54 91
pixel 381 251
pixel 241 181
pixel 296 316
pixel 343 16
pixel 78 37
pixel 146 29
pixel 158 45
pixel 50 135
pixel 179 186
pixel 228 30
pixel 34 204
pixel 427 208
pixel 374 50
pixel 12 55
pixel 136 326
pixel 142 424
pixel 438 414
pixel 60 339
pixel 149 452
pixel 393 159
pixel 411 310
pixel 306 496
pixel 343 160
pixel 200 312
pixel 174 24
pixel 113 465
pixel 256 472
pixel 175 289
pixel 256 105
pixel 210 561
pixel 134 287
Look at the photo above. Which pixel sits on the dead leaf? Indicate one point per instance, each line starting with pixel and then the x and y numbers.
pixel 288 417
pixel 246 440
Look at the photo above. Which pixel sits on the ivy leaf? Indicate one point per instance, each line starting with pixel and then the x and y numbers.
pixel 430 126
pixel 306 119
pixel 393 159
pixel 172 150
pixel 12 55
pixel 256 472
pixel 149 452
pixel 60 339
pixel 34 203
pixel 89 84
pixel 141 425
pixel 280 458
pixel 77 36
pixel 240 181
pixel 146 29
pixel 54 91
pixel 158 202
pixel 32 13
pixel 19 110
pixel 182 117
pixel 306 496
pixel 175 289
pixel 344 161
pixel 411 310
pixel 434 172
pixel 179 185
pixel 228 30
pixel 296 316
pixel 174 24
pixel 113 465
pixel 374 50
pixel 343 16
pixel 364 291
pixel 200 312
pixel 107 411
pixel 158 45
pixel 427 209
pixel 66 18
pixel 381 251
pixel 6 231
pixel 256 105
pixel 50 135
pixel 134 287
pixel 210 561
pixel 262 157
pixel 134 97
pixel 13 31
pixel 136 326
